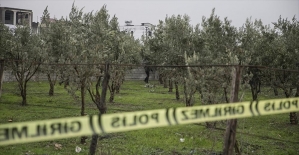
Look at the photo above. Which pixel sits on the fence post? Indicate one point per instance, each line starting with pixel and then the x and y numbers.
pixel 231 129
pixel 293 115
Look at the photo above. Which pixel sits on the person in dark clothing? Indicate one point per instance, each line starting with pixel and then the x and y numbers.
pixel 147 72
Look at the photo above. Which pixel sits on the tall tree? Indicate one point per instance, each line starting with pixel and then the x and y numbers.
pixel 154 48
pixel 170 41
pixel 218 42
pixel 250 41
pixel 53 37
pixel 287 57
pixel 220 47
pixel 101 46
pixel 124 50
pixel 27 57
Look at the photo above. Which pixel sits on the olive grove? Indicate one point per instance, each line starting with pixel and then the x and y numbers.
pixel 212 61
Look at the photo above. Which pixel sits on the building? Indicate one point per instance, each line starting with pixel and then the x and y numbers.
pixel 15 16
pixel 145 29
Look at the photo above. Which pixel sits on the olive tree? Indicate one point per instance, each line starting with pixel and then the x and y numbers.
pixel 124 49
pixel 287 57
pixel 53 36
pixel 26 56
pixel 219 47
pixel 112 47
pixel 251 41
pixel 171 39
pixel 77 55
pixel 154 48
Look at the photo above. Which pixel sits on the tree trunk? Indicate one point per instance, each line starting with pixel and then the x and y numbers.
pixel 52 84
pixel 275 91
pixel 161 78
pixel 255 83
pixel 102 108
pixel 82 90
pixel 255 86
pixel 118 81
pixel 297 91
pixel 93 144
pixel 188 102
pixel 117 87
pixel 293 115
pixel 1 75
pixel 51 90
pixel 105 83
pixel 225 94
pixel 66 82
pixel 188 95
pixel 24 94
pixel 211 125
pixel 165 82
pixel 273 85
pixel 170 85
pixel 22 88
pixel 293 118
pixel 112 90
pixel 177 93
pixel 231 129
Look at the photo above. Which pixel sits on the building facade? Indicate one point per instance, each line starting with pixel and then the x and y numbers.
pixel 15 16
pixel 144 29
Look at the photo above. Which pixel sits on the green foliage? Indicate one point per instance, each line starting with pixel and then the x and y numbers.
pixel 218 42
pixel 85 42
pixel 171 39
pixel 5 40
pixel 26 55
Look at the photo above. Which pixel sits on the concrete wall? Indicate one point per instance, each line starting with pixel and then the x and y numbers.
pixel 8 76
pixel 1 16
pixel 134 74
pixel 16 16
pixel 139 74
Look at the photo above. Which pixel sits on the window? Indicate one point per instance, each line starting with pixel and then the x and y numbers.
pixel 7 15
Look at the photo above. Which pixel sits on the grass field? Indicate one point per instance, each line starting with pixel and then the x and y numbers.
pixel 272 135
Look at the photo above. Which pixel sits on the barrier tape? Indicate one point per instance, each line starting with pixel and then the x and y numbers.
pixel 24 132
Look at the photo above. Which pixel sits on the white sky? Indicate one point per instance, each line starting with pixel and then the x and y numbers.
pixel 140 11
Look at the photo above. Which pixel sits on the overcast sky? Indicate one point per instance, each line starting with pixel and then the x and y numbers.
pixel 140 11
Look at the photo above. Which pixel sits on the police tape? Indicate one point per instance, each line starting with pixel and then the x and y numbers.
pixel 24 132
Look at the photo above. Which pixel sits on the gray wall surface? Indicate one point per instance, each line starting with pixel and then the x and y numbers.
pixel 133 74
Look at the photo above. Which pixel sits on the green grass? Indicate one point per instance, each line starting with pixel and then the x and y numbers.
pixel 256 136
